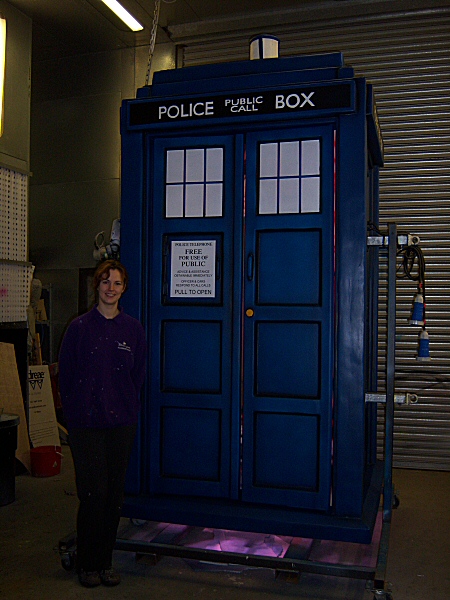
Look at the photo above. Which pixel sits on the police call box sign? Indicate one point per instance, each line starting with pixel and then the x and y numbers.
pixel 297 100
pixel 193 269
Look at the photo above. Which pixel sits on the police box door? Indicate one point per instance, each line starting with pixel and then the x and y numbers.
pixel 241 312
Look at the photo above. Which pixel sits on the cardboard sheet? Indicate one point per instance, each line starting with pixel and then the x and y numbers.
pixel 11 400
pixel 41 409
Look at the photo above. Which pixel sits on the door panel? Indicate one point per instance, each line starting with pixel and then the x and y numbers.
pixel 278 434
pixel 286 367
pixel 192 419
pixel 242 316
pixel 200 459
pixel 282 256
pixel 288 341
pixel 201 340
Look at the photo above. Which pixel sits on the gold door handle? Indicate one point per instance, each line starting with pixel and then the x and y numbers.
pixel 249 312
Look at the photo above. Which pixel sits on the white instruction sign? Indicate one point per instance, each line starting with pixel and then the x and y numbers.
pixel 41 415
pixel 193 269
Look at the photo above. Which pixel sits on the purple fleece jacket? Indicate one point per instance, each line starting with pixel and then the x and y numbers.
pixel 101 370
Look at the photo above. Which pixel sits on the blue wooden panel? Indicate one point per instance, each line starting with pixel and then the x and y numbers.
pixel 288 329
pixel 133 258
pixel 287 359
pixel 191 443
pixel 190 358
pixel 351 365
pixel 283 259
pixel 286 66
pixel 280 461
pixel 193 420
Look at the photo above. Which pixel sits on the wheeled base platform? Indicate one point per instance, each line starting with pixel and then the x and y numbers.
pixel 288 557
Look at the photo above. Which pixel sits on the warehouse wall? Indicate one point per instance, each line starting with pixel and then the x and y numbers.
pixel 402 47
pixel 75 157
pixel 15 141
pixel 15 272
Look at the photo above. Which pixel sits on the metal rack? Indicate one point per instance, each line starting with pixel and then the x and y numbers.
pixel 154 541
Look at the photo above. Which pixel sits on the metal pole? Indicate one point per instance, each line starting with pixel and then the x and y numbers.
pixel 390 374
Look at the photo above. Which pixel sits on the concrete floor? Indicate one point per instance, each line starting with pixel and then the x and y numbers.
pixel 44 512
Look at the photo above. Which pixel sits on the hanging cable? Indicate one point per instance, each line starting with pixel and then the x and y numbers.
pixel 416 272
pixel 410 254
pixel 152 40
pixel 408 269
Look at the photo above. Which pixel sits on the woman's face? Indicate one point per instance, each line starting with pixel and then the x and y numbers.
pixel 111 288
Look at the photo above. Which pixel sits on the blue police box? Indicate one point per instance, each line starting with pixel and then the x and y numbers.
pixel 246 192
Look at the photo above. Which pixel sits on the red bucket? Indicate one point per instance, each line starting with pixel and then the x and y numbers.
pixel 45 461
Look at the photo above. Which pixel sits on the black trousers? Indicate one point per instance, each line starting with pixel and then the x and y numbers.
pixel 100 458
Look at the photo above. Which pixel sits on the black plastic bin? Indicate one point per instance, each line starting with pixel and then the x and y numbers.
pixel 8 447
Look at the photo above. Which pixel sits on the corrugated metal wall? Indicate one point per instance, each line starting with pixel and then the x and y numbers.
pixel 406 56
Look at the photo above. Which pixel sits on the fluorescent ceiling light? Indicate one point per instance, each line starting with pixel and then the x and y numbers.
pixel 2 67
pixel 124 15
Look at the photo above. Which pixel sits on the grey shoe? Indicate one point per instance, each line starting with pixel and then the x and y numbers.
pixel 89 578
pixel 109 577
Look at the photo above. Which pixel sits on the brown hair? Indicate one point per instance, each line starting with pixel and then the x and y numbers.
pixel 103 270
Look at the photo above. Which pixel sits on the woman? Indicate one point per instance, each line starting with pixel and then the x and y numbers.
pixel 101 371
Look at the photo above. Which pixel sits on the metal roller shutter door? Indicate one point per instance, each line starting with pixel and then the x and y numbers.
pixel 405 56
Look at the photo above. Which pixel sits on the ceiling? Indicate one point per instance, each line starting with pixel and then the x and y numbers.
pixel 67 27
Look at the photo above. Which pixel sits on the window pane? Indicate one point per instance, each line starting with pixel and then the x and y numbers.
pixel 214 164
pixel 175 166
pixel 194 200
pixel 213 200
pixel 311 195
pixel 268 155
pixel 310 157
pixel 195 165
pixel 289 159
pixel 174 201
pixel 289 195
pixel 268 196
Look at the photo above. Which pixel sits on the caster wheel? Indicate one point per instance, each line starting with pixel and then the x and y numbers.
pixel 382 595
pixel 138 522
pixel 68 562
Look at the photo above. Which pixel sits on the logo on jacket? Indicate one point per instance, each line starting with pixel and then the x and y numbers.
pixel 123 346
